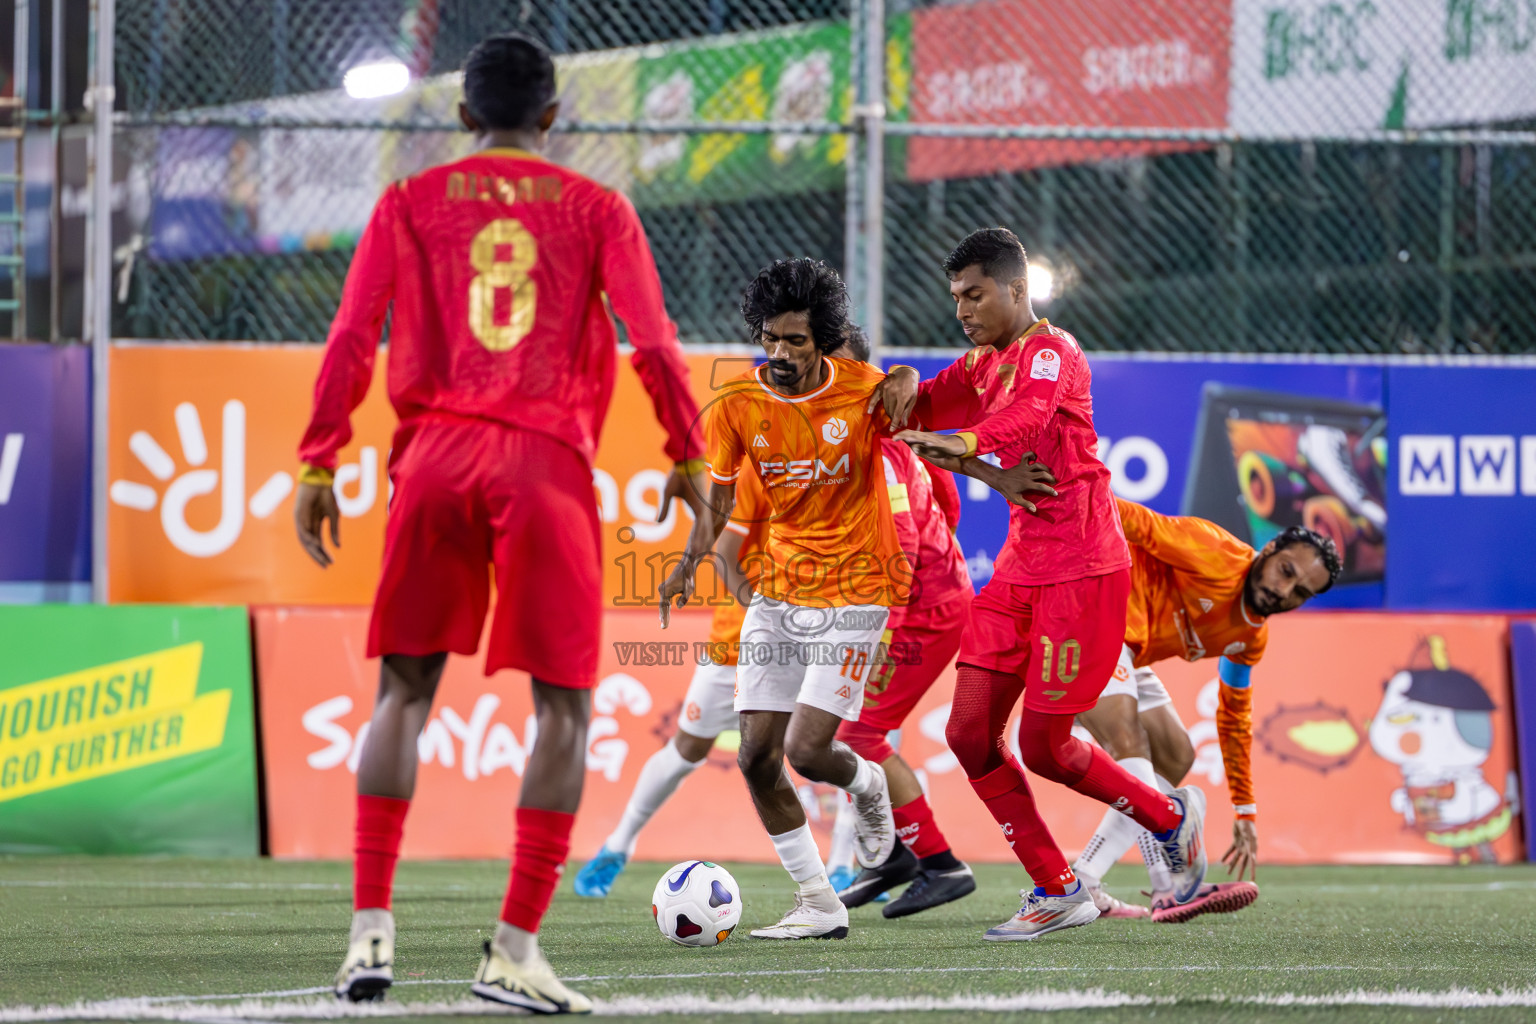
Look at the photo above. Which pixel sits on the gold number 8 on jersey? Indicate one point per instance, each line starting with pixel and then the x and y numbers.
pixel 494 274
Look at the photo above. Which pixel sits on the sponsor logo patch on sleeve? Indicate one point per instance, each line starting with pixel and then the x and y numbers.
pixel 1046 365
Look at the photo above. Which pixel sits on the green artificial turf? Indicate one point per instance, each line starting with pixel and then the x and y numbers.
pixel 87 930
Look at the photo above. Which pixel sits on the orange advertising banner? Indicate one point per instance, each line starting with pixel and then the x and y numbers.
pixel 201 462
pixel 1379 739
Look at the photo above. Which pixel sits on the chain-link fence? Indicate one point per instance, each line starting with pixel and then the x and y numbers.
pixel 1229 175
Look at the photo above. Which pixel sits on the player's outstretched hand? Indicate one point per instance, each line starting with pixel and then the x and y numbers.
pixel 898 393
pixel 1243 855
pixel 690 489
pixel 1028 477
pixel 932 446
pixel 311 508
pixel 678 586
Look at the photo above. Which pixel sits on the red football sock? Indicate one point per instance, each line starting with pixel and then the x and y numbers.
pixel 380 821
pixel 1050 750
pixel 916 827
pixel 1007 796
pixel 1105 780
pixel 538 860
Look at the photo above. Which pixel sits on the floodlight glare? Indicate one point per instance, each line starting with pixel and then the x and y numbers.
pixel 1042 283
pixel 377 78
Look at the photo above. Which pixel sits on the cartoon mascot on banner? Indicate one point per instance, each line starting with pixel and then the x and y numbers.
pixel 1435 723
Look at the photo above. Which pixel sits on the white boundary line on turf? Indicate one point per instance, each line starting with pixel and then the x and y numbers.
pixel 1510 885
pixel 252 1011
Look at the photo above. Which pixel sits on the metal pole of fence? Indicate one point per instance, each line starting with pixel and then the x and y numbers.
pixel 852 219
pixel 56 192
pixel 874 175
pixel 99 278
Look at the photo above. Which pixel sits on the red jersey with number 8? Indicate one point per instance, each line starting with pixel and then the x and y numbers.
pixel 497 266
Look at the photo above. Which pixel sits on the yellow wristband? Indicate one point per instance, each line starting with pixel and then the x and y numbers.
pixel 317 475
pixel 693 467
pixel 970 442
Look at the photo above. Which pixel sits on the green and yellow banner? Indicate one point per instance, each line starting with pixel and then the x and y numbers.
pixel 127 730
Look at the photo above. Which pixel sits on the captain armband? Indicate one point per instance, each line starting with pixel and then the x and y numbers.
pixel 1233 674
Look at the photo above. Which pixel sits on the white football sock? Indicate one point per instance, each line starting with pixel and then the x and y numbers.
pixel 797 852
pixel 841 854
pixel 658 780
pixel 865 778
pixel 514 943
pixel 1117 832
pixel 1157 862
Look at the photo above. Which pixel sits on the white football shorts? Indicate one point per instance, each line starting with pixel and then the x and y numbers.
pixel 1141 683
pixel 709 709
pixel 794 654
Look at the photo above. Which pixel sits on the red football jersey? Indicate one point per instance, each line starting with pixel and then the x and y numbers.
pixel 938 565
pixel 1034 396
pixel 497 266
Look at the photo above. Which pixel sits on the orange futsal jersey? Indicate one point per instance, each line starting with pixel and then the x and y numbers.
pixel 1187 582
pixel 750 519
pixel 831 538
pixel 1187 578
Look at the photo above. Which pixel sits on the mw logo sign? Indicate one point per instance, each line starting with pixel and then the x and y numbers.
pixel 1473 465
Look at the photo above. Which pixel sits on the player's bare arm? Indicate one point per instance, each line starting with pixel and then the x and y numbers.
pixel 315 505
pixel 898 393
pixel 707 527
pixel 688 482
pixel 1028 477
pixel 1243 855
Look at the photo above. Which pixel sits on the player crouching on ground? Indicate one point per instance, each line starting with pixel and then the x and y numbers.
pixel 1196 592
pixel 831 569
pixel 501 364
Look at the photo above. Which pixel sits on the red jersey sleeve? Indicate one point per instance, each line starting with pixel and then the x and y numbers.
pixel 634 290
pixel 347 367
pixel 1020 421
pixel 946 494
pixel 948 399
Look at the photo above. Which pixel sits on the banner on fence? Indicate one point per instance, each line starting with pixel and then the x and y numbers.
pixel 1462 495
pixel 45 473
pixel 1304 67
pixel 1522 657
pixel 127 730
pixel 1029 62
pixel 201 460
pixel 1411 733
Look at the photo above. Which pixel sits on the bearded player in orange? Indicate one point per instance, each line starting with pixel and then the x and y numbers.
pixel 831 570
pixel 1196 592
pixel 501 366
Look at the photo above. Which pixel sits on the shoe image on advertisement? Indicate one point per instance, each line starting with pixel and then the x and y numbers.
pixel 932 889
pixel 1326 450
pixel 596 877
pixel 1041 914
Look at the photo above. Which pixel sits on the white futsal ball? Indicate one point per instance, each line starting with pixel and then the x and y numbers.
pixel 696 903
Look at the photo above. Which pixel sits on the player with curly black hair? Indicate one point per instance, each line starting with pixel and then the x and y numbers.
pixel 831 568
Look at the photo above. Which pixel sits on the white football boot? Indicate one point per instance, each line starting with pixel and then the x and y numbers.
pixel 808 920
pixel 369 968
pixel 531 984
pixel 874 830
pixel 1185 845
pixel 1040 915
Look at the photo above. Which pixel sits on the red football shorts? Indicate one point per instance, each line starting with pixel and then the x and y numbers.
pixel 1063 640
pixel 472 498
pixel 922 647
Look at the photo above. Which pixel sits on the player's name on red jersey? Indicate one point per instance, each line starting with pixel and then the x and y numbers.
pixel 496 268
pixel 831 539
